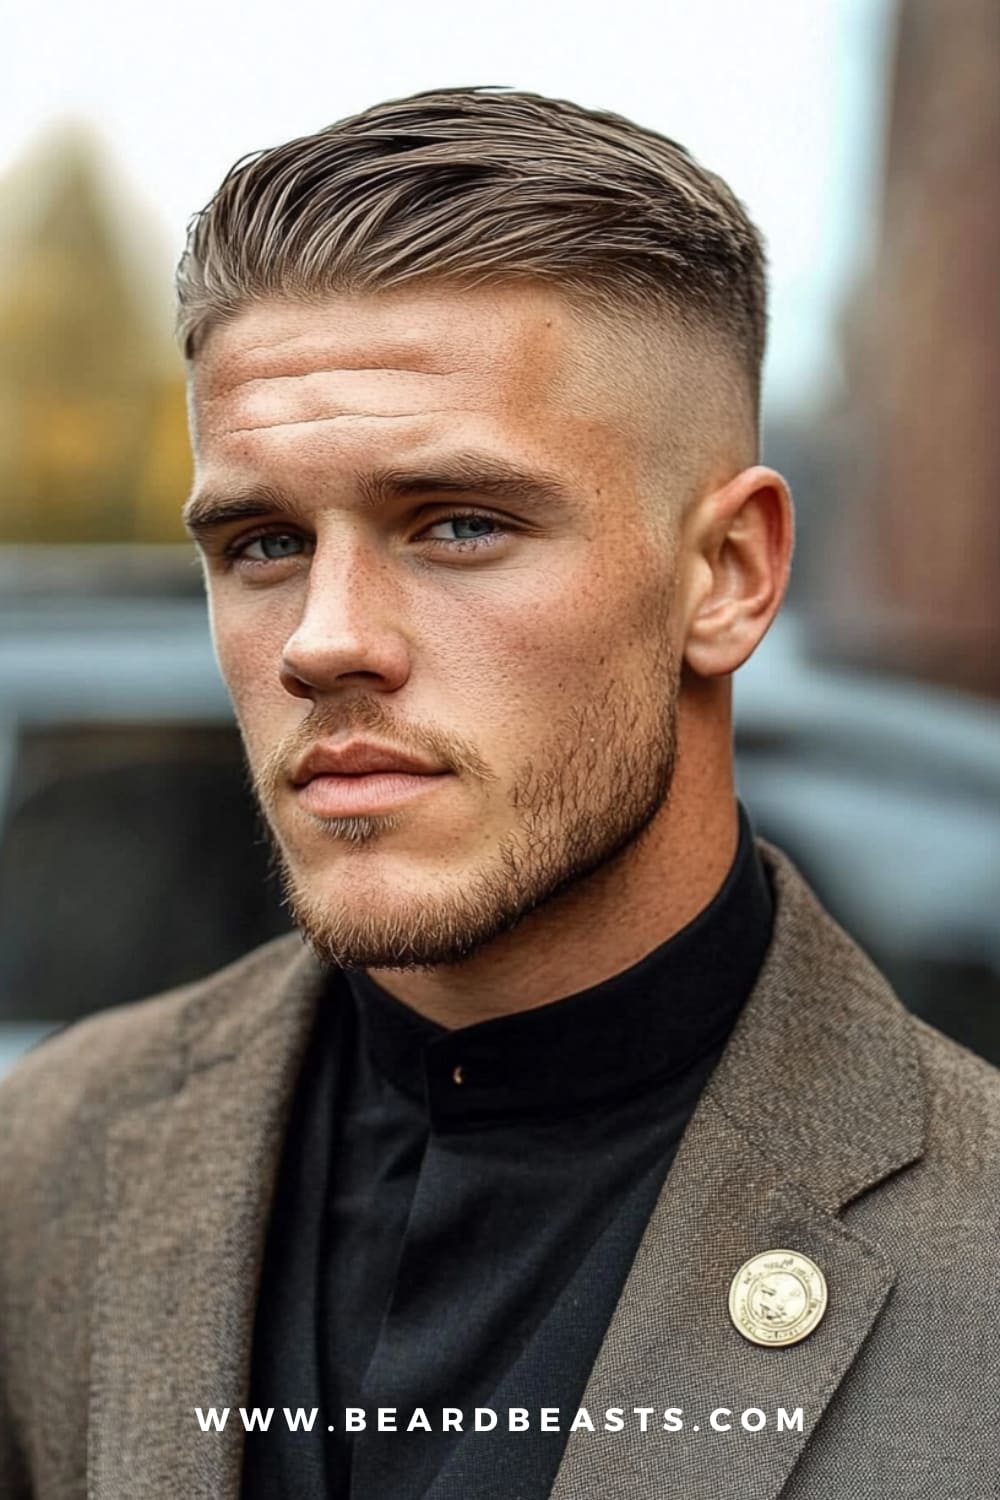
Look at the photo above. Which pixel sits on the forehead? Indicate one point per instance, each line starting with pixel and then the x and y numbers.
pixel 512 352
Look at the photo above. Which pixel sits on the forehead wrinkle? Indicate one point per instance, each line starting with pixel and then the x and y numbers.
pixel 345 416
pixel 393 346
pixel 309 350
pixel 280 399
pixel 272 380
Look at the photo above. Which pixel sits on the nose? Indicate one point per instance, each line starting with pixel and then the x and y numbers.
pixel 349 632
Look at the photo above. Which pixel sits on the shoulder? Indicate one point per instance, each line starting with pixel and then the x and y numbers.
pixel 867 1087
pixel 74 1079
pixel 56 1109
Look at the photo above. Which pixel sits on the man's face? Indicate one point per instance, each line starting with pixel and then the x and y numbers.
pixel 439 545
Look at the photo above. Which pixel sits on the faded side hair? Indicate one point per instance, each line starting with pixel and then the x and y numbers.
pixel 476 186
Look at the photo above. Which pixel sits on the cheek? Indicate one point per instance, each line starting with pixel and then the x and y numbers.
pixel 527 662
pixel 248 649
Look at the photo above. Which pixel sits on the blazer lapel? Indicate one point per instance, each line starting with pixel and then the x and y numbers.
pixel 816 1100
pixel 189 1180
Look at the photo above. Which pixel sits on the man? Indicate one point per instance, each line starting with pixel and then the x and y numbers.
pixel 577 1152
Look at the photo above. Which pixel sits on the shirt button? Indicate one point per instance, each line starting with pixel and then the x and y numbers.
pixel 457 1074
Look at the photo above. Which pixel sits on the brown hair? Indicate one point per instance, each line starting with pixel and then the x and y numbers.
pixel 478 185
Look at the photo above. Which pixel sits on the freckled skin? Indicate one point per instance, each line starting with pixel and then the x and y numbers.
pixel 574 678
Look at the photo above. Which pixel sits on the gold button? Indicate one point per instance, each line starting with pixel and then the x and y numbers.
pixel 778 1297
pixel 457 1076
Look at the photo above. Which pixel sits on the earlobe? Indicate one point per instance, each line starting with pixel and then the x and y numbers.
pixel 743 535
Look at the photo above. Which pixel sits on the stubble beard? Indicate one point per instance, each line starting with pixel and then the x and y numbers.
pixel 584 801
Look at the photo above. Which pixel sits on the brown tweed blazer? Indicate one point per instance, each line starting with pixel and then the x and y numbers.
pixel 138 1152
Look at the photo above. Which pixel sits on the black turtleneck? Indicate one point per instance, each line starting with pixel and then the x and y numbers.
pixel 458 1209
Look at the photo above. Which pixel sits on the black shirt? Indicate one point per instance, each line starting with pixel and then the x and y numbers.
pixel 458 1209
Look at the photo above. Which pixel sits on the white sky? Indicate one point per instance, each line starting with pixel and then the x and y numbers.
pixel 783 97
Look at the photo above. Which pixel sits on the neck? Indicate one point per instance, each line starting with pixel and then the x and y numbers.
pixel 614 917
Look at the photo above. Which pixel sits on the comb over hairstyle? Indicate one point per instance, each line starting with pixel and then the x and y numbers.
pixel 476 186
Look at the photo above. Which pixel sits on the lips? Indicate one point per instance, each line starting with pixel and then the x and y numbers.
pixel 361 778
pixel 360 758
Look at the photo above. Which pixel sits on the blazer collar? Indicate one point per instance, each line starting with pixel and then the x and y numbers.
pixel 821 1072
pixel 816 1099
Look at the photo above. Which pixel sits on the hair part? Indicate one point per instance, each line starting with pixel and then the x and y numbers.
pixel 475 186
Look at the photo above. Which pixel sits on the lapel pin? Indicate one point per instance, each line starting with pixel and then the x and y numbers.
pixel 777 1298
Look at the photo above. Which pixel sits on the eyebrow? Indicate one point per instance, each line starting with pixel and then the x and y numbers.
pixel 209 510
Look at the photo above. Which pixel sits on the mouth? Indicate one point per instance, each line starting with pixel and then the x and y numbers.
pixel 338 795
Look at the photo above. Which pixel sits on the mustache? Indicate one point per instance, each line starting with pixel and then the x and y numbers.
pixel 361 715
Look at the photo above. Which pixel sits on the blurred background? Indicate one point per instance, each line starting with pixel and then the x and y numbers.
pixel 863 136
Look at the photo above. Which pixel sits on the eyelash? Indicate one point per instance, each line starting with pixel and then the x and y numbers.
pixel 234 552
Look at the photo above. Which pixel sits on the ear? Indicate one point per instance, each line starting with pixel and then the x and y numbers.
pixel 735 558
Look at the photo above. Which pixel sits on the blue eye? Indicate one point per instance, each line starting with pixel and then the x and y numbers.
pixel 274 545
pixel 463 519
